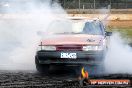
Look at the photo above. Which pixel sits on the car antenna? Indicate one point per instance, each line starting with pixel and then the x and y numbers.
pixel 41 45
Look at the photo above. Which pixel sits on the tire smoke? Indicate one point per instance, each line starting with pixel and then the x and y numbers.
pixel 20 25
pixel 119 56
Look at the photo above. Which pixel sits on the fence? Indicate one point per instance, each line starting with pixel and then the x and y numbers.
pixel 96 4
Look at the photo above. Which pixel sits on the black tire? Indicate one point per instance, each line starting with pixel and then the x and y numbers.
pixel 78 70
pixel 94 70
pixel 42 68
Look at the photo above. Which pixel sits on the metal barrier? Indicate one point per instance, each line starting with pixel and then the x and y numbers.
pixel 96 4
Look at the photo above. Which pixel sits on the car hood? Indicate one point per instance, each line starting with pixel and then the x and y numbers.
pixel 75 39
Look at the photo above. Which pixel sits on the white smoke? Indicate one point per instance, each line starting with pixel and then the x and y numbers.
pixel 119 56
pixel 19 29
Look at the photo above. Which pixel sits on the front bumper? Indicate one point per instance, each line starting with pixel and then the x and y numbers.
pixel 83 57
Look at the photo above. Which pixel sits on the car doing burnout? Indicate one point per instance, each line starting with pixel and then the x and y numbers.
pixel 72 42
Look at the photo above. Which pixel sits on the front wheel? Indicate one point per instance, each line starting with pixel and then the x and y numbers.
pixel 42 68
pixel 94 70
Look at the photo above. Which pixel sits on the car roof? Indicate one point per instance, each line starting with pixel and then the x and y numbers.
pixel 78 19
pixel 85 19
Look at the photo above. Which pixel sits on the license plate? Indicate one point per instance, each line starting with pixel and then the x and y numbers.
pixel 69 55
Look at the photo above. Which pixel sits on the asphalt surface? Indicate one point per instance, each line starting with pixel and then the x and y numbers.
pixel 33 79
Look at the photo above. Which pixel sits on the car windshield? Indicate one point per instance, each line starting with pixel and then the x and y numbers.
pixel 75 27
pixel 92 28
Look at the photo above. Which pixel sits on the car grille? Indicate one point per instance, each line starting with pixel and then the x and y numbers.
pixel 69 48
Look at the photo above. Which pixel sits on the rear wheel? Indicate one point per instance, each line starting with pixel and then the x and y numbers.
pixel 42 68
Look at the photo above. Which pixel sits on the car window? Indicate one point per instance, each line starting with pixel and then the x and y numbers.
pixel 72 27
pixel 77 27
pixel 93 28
pixel 60 26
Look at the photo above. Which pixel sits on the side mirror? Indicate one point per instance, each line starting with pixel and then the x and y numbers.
pixel 108 33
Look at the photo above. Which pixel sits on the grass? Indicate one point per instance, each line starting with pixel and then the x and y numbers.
pixel 126 33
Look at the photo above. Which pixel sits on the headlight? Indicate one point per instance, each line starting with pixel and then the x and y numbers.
pixel 94 48
pixel 48 48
